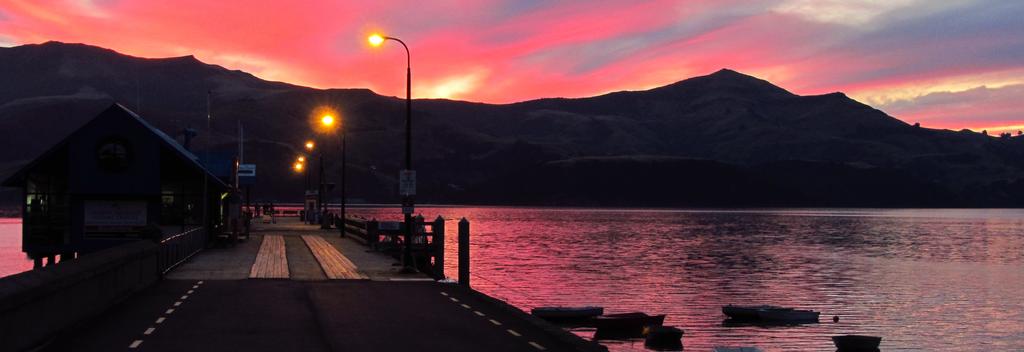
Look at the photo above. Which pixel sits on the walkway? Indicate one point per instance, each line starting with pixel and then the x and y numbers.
pixel 292 250
pixel 332 295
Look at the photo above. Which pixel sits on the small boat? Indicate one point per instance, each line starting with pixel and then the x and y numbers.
pixel 789 315
pixel 745 312
pixel 770 314
pixel 624 325
pixel 852 343
pixel 567 314
pixel 664 338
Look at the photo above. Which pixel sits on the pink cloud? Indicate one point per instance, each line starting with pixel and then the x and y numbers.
pixel 505 51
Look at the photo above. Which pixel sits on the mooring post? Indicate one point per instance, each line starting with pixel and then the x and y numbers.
pixel 37 261
pixel 464 252
pixel 51 259
pixel 438 243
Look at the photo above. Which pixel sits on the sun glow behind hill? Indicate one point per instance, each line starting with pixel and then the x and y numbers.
pixel 922 61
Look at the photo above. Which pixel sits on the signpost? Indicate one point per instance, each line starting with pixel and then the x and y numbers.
pixel 247 178
pixel 246 170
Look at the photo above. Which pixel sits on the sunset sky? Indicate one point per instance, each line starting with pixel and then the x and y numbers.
pixel 946 64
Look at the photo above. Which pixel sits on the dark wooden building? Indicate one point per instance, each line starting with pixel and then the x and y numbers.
pixel 115 179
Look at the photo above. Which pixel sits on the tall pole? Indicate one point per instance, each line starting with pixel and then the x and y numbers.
pixel 206 180
pixel 408 201
pixel 344 150
pixel 320 192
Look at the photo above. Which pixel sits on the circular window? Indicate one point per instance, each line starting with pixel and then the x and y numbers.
pixel 114 155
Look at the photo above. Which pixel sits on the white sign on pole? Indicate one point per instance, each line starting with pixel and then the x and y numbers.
pixel 246 170
pixel 407 183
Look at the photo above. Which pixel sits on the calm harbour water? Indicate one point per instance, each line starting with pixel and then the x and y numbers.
pixel 925 280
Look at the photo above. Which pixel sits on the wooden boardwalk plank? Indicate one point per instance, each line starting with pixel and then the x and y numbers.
pixel 271 261
pixel 334 264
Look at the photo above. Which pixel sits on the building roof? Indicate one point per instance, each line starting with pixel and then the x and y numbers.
pixel 18 178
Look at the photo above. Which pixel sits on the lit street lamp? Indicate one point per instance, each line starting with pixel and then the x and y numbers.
pixel 328 121
pixel 408 187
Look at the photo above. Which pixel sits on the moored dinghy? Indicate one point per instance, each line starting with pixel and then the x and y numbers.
pixel 567 314
pixel 789 315
pixel 624 325
pixel 856 343
pixel 770 314
pixel 664 338
pixel 745 312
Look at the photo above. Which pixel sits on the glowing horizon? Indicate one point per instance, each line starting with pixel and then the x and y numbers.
pixel 951 65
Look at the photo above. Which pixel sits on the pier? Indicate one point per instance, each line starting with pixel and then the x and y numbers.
pixel 295 287
pixel 158 254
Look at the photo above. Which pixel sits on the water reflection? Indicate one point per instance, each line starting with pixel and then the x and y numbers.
pixel 12 260
pixel 934 280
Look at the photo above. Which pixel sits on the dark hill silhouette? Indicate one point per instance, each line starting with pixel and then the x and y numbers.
pixel 725 139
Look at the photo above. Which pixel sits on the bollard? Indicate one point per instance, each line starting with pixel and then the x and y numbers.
pixel 438 243
pixel 37 261
pixel 464 252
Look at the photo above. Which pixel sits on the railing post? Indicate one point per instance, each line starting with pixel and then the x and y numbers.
pixel 342 226
pixel 372 227
pixel 438 243
pixel 464 252
pixel 420 260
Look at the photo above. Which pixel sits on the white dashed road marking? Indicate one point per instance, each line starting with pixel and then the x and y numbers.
pixel 160 320
pixel 184 297
pixel 178 303
pixel 135 344
pixel 477 312
pixel 514 333
pixel 444 293
pixel 148 331
pixel 537 346
pixel 169 311
pixel 190 292
pixel 495 322
pixel 466 306
pixel 453 299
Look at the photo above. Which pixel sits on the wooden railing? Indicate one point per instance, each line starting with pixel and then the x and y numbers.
pixel 427 242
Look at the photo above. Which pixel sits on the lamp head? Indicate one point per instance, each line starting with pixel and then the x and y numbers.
pixel 327 120
pixel 376 39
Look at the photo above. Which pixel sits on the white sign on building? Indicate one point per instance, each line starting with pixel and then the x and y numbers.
pixel 114 216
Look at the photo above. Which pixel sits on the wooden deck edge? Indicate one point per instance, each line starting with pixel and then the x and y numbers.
pixel 560 334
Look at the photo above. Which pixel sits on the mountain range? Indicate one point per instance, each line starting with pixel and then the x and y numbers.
pixel 721 140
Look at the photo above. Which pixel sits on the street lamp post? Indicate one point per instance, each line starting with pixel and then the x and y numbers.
pixel 407 197
pixel 320 194
pixel 328 121
pixel 309 211
pixel 344 149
